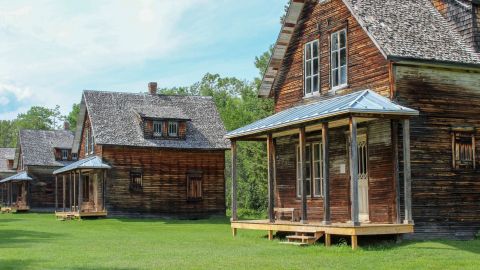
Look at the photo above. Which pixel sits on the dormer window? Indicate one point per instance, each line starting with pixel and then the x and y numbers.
pixel 74 156
pixel 64 154
pixel 338 57
pixel 173 129
pixel 157 128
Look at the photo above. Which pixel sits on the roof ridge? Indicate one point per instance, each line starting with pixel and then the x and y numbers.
pixel 145 94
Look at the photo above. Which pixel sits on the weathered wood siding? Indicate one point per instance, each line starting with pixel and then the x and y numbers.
pixel 445 200
pixel 81 151
pixel 380 166
pixel 367 68
pixel 42 188
pixel 164 181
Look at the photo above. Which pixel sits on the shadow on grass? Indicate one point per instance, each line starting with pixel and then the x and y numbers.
pixel 7 264
pixel 14 238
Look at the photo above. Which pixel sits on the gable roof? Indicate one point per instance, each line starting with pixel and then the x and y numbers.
pixel 402 30
pixel 114 119
pixel 366 101
pixel 38 146
pixel 5 155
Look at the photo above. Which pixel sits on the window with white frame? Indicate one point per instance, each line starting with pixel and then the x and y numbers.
pixel 172 129
pixel 157 128
pixel 317 169
pixel 92 143
pixel 311 68
pixel 338 58
pixel 362 157
pixel 87 142
pixel 64 154
pixel 74 156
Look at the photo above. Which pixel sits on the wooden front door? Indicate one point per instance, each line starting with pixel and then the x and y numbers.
pixel 362 143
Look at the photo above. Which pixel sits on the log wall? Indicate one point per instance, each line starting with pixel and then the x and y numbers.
pixel 445 200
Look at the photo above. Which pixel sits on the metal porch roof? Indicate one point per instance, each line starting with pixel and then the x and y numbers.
pixel 366 101
pixel 86 163
pixel 21 176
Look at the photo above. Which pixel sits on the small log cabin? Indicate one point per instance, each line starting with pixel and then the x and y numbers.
pixel 38 154
pixel 17 187
pixel 376 120
pixel 7 155
pixel 165 155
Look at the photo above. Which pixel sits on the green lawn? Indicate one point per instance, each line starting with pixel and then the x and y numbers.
pixel 38 241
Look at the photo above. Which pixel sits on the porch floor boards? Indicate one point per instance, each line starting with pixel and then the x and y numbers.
pixel 332 229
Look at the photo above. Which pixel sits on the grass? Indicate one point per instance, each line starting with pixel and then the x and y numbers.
pixel 38 241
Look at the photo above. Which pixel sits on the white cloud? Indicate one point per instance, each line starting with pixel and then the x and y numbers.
pixel 4 101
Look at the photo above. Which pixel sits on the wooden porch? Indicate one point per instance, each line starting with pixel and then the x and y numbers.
pixel 346 229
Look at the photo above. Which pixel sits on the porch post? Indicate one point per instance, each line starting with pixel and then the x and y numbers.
pixel 354 172
pixel 70 190
pixel 64 190
pixel 303 174
pixel 407 173
pixel 396 177
pixel 271 175
pixel 234 180
pixel 326 175
pixel 104 190
pixel 74 191
pixel 80 192
pixel 56 193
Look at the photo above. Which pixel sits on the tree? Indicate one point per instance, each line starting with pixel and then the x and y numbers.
pixel 8 133
pixel 72 117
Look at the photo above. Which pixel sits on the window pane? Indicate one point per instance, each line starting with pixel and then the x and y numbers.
pixel 343 57
pixel 334 42
pixel 308 183
pixel 334 59
pixel 308 152
pixel 308 86
pixel 315 49
pixel 343 39
pixel 343 75
pixel 315 66
pixel 308 52
pixel 308 66
pixel 315 84
pixel 335 77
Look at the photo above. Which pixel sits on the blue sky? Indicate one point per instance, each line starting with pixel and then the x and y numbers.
pixel 52 50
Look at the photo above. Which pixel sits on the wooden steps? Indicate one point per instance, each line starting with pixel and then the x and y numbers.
pixel 303 239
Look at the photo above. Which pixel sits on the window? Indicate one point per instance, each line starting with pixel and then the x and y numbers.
pixel 339 59
pixel 87 142
pixel 136 181
pixel 362 157
pixel 172 129
pixel 64 154
pixel 74 156
pixel 317 169
pixel 194 187
pixel 92 143
pixel 463 143
pixel 311 68
pixel 157 128
pixel 308 174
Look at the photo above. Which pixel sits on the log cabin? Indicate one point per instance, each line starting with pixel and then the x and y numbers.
pixel 37 155
pixel 7 155
pixel 376 121
pixel 146 154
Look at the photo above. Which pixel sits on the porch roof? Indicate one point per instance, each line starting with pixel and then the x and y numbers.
pixel 21 176
pixel 93 162
pixel 361 102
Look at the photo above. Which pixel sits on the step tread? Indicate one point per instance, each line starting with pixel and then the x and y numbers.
pixel 307 237
pixel 294 243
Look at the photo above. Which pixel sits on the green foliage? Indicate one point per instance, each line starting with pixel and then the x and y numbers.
pixel 72 117
pixel 8 133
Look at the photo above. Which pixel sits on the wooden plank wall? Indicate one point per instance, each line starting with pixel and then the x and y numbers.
pixel 381 183
pixel 367 68
pixel 445 200
pixel 42 188
pixel 164 181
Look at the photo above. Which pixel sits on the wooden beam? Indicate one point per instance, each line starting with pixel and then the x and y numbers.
pixel 354 172
pixel 234 181
pixel 104 189
pixel 64 183
pixel 303 173
pixel 80 192
pixel 74 190
pixel 70 190
pixel 326 175
pixel 271 180
pixel 270 235
pixel 56 191
pixel 407 173
pixel 328 240
pixel 354 242
pixel 396 177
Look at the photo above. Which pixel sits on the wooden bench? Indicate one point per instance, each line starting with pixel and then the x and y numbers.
pixel 279 212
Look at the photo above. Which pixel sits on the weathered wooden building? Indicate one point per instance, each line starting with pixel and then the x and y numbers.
pixel 38 154
pixel 165 153
pixel 377 120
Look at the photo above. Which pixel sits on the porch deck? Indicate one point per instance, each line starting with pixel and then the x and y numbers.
pixel 76 214
pixel 318 227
